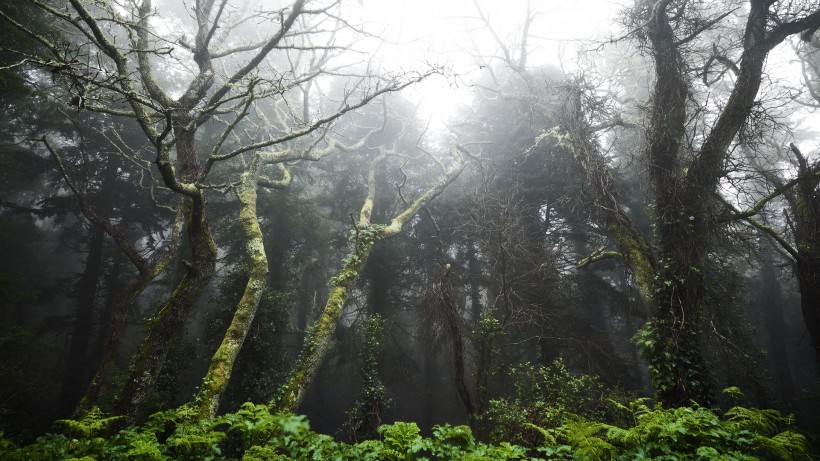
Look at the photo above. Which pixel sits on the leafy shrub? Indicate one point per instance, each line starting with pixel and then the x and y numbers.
pixel 686 433
pixel 547 397
pixel 255 434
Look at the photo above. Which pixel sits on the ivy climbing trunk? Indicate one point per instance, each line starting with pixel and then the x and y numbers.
pixel 668 275
pixel 321 332
pixel 675 359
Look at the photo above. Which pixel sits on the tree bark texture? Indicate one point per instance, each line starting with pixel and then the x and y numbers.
pixel 170 320
pixel 219 373
pixel 318 339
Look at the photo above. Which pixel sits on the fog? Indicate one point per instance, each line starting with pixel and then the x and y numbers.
pixel 510 216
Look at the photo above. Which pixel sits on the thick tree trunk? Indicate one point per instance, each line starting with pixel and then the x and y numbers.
pixel 219 373
pixel 679 373
pixel 683 199
pixel 170 319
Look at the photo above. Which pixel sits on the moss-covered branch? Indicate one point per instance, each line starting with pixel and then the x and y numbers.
pixel 317 341
pixel 598 255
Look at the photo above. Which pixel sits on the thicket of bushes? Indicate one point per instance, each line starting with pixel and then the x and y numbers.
pixel 253 433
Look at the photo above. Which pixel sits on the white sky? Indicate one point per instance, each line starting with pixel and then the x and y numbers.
pixel 448 32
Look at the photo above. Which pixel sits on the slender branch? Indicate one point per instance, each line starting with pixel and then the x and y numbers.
pixel 766 230
pixel 598 255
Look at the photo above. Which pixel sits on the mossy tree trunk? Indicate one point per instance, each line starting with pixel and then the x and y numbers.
pixel 668 276
pixel 321 332
pixel 219 373
pixel 216 379
pixel 318 339
pixel 170 319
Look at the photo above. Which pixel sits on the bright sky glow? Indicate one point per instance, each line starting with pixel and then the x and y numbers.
pixel 450 33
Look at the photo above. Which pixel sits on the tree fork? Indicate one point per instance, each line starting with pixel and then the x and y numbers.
pixel 317 341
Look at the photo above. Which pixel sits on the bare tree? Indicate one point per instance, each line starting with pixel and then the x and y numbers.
pixel 192 81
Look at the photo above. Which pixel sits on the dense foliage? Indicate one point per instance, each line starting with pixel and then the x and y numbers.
pixel 211 203
pixel 254 433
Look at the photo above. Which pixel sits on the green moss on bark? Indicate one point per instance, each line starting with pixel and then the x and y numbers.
pixel 222 362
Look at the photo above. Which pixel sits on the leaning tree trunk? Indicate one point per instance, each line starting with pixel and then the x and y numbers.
pixel 222 362
pixel 319 337
pixel 321 332
pixel 170 319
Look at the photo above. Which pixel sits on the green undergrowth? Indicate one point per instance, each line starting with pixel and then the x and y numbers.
pixel 254 433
